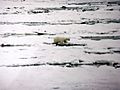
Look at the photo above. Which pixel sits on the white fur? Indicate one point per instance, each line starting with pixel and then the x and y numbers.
pixel 61 40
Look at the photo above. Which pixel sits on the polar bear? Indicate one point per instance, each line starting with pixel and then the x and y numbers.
pixel 61 40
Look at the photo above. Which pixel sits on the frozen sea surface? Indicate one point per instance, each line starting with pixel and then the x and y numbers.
pixel 29 60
